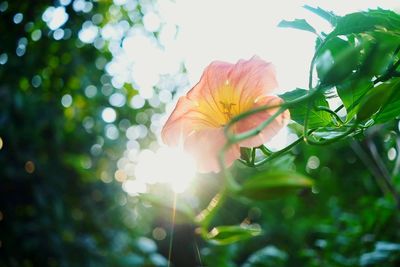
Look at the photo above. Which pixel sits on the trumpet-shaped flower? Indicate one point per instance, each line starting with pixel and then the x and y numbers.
pixel 225 90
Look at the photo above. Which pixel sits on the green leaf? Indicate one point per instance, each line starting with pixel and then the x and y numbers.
pixel 316 118
pixel 386 95
pixel 300 24
pixel 367 21
pixel 282 163
pixel 267 185
pixel 377 50
pixel 327 15
pixel 391 109
pixel 224 235
pixel 336 61
pixel 379 47
pixel 351 91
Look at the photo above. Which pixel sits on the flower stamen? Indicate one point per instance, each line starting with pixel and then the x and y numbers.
pixel 227 109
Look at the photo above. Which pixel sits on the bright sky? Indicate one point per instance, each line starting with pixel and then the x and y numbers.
pixel 230 29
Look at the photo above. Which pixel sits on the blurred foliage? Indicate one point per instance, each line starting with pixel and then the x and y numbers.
pixel 61 201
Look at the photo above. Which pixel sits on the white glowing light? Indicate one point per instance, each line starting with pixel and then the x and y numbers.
pixel 133 132
pixel 55 17
pixel 134 187
pixel 79 5
pixel 178 168
pixel 88 33
pixel 151 22
pixel 3 59
pixel 109 115
pixel 146 170
pixel 168 165
pixel 117 100
pixel 66 100
pixel 112 132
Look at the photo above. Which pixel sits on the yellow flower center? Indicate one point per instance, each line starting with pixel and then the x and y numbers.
pixel 217 109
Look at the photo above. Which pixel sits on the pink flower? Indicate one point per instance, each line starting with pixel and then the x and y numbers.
pixel 225 90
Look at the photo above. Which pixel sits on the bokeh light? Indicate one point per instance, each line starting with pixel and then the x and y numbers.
pixel 55 17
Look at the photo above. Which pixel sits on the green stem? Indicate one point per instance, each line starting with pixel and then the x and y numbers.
pixel 242 136
pixel 253 156
pixel 307 115
pixel 339 108
pixel 280 152
pixel 245 163
pixel 265 150
pixel 332 140
pixel 282 107
pixel 333 113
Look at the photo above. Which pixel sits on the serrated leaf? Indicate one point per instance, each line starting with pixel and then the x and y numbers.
pixel 367 21
pixel 300 24
pixel 224 235
pixel 268 185
pixel 316 118
pixel 327 15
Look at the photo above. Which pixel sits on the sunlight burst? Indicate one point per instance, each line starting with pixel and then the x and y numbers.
pixel 168 165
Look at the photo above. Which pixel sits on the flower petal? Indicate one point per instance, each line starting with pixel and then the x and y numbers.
pixel 253 78
pixel 206 92
pixel 174 131
pixel 205 145
pixel 185 119
pixel 214 76
pixel 255 120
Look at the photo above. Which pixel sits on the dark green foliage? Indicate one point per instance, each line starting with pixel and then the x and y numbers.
pixel 271 184
pixel 54 208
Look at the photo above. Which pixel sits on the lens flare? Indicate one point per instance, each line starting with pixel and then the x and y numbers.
pixel 167 165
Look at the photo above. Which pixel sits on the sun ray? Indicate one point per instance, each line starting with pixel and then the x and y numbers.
pixel 171 239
